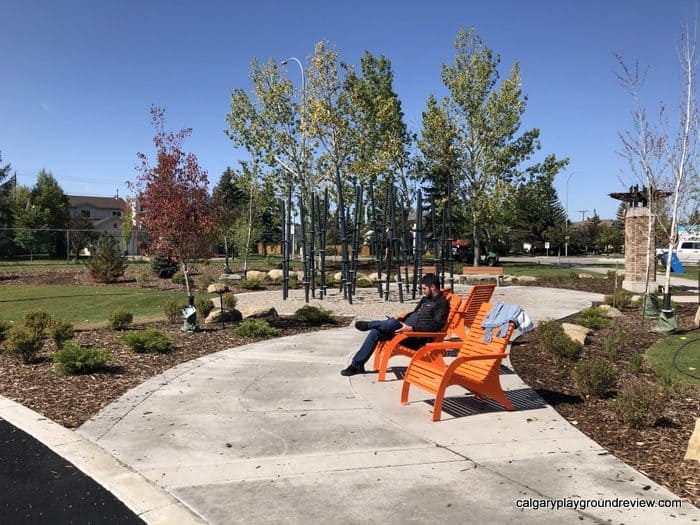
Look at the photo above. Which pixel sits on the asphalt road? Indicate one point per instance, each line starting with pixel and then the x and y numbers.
pixel 38 486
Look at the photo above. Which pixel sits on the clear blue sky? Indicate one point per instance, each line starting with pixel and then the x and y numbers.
pixel 78 77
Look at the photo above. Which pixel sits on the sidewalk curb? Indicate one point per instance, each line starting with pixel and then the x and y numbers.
pixel 150 503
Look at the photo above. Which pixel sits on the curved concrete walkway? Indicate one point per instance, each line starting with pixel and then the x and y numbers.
pixel 271 432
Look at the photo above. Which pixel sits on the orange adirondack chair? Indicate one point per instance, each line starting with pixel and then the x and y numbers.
pixel 476 367
pixel 458 323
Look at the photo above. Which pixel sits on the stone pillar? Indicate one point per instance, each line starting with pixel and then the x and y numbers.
pixel 636 242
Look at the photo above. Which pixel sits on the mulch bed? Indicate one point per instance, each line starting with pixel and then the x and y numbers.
pixel 657 451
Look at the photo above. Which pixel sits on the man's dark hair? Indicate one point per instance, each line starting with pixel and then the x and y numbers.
pixel 430 279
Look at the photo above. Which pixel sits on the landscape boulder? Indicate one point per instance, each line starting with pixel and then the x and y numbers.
pixel 255 274
pixel 576 332
pixel 525 278
pixel 218 288
pixel 230 277
pixel 218 316
pixel 275 275
pixel 693 452
pixel 610 311
pixel 260 312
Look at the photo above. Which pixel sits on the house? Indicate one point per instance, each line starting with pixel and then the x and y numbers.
pixel 105 213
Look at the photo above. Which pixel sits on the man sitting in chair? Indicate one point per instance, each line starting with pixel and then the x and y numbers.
pixel 429 315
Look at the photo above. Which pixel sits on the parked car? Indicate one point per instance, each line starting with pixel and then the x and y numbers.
pixel 463 252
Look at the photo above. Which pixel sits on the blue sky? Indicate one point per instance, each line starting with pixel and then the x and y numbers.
pixel 78 77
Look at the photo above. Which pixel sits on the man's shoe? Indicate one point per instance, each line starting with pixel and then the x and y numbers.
pixel 352 370
pixel 362 326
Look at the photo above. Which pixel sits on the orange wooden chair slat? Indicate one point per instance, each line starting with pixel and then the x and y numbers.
pixel 476 367
pixel 459 321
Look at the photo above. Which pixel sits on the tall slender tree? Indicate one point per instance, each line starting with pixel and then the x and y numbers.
pixel 473 133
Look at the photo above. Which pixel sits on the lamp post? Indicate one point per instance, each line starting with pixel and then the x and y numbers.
pixel 566 222
pixel 301 119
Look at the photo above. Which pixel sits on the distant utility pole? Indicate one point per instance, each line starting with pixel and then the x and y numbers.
pixel 583 214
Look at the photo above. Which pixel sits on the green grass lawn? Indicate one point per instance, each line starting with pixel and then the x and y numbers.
pixel 661 356
pixel 83 305
pixel 543 270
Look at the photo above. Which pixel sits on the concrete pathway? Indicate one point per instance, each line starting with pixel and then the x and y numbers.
pixel 271 433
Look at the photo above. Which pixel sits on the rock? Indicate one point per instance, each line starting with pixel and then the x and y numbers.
pixel 576 332
pixel 585 276
pixel 260 311
pixel 338 276
pixel 697 318
pixel 526 278
pixel 230 277
pixel 254 274
pixel 610 311
pixel 300 275
pixel 374 277
pixel 693 452
pixel 218 288
pixel 217 316
pixel 275 275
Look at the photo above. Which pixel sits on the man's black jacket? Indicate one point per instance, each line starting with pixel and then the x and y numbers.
pixel 432 313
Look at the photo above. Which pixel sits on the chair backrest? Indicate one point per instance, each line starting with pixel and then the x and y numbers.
pixel 464 319
pixel 478 295
pixel 474 344
pixel 455 302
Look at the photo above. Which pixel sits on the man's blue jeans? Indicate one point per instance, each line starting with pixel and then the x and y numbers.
pixel 378 331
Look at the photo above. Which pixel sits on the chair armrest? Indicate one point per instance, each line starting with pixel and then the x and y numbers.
pixel 436 348
pixel 483 357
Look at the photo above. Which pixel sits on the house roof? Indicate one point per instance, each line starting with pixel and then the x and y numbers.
pixel 110 203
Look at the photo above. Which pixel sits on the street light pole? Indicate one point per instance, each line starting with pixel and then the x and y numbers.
pixel 566 222
pixel 301 119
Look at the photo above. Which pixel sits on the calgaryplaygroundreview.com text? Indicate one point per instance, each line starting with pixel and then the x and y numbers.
pixel 583 504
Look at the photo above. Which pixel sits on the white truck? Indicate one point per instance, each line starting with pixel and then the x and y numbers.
pixel 688 248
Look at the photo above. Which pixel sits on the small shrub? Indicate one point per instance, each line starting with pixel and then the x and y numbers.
pixel 593 318
pixel 164 267
pixel 553 339
pixel 204 280
pixel 256 328
pixel 314 315
pixel 75 359
pixel 251 284
pixel 23 343
pixel 173 310
pixel 60 331
pixel 204 305
pixel 178 278
pixel 668 381
pixel 639 404
pixel 636 363
pixel 363 282
pixel 4 327
pixel 143 277
pixel 119 319
pixel 36 319
pixel 610 348
pixel 107 264
pixel 229 301
pixel 574 276
pixel 595 376
pixel 149 341
pixel 621 298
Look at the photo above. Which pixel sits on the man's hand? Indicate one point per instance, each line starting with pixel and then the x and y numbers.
pixel 404 328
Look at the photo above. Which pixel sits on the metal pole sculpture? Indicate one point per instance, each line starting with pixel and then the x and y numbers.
pixel 310 277
pixel 376 245
pixel 450 239
pixel 304 255
pixel 284 247
pixel 387 242
pixel 404 243
pixel 356 237
pixel 323 215
pixel 418 246
pixel 394 251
